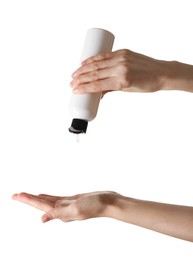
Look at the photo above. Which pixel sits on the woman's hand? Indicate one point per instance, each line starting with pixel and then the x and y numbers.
pixel 172 220
pixel 125 70
pixel 120 70
pixel 78 207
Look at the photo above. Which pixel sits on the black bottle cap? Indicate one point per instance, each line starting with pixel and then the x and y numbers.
pixel 78 126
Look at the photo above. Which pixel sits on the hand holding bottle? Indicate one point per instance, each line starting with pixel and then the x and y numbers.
pixel 125 70
pixel 83 108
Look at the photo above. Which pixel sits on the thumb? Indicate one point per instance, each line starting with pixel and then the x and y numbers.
pixel 50 215
pixel 56 213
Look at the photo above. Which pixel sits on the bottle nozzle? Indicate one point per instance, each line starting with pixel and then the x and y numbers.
pixel 78 126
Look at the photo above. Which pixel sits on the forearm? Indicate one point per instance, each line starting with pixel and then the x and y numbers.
pixel 172 220
pixel 177 76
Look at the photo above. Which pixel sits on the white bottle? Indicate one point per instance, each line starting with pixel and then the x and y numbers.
pixel 83 107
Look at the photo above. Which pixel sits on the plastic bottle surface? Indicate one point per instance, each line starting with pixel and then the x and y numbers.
pixel 83 107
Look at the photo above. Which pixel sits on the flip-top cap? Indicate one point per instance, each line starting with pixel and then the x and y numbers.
pixel 78 126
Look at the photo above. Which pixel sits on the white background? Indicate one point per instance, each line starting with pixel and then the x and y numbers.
pixel 140 145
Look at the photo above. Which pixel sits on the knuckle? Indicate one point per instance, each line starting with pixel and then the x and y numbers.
pixel 124 55
pixel 102 56
pixel 90 59
pixel 125 72
pixel 95 66
pixel 96 86
pixel 124 58
pixel 95 75
pixel 124 52
pixel 124 68
pixel 76 82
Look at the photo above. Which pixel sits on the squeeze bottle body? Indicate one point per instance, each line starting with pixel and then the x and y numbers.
pixel 83 107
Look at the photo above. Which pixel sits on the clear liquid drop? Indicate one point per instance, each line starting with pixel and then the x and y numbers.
pixel 78 138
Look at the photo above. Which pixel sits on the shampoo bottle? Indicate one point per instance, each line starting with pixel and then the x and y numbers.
pixel 83 107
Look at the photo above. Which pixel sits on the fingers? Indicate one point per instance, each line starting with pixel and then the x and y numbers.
pixel 44 202
pixel 100 73
pixel 34 201
pixel 96 81
pixel 106 56
pixel 50 198
pixel 56 207
pixel 95 63
pixel 99 57
pixel 104 86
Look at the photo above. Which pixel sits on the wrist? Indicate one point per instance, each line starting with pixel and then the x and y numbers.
pixel 119 207
pixel 177 76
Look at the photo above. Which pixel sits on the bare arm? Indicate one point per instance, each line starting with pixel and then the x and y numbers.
pixel 129 71
pixel 172 220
